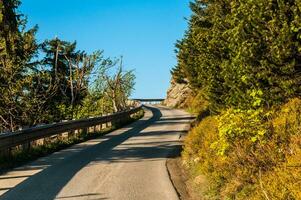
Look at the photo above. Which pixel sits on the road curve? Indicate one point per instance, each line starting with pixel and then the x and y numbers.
pixel 128 163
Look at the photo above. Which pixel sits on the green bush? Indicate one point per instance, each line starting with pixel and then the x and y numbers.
pixel 252 154
pixel 233 48
pixel 284 181
pixel 244 57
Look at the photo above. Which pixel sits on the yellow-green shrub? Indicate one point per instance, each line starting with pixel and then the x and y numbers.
pixel 200 138
pixel 200 158
pixel 284 181
pixel 253 154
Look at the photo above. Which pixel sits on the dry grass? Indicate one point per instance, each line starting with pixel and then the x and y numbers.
pixel 267 167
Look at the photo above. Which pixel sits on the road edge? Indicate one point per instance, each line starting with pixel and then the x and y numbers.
pixel 176 174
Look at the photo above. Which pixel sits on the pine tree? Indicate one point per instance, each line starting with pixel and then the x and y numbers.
pixel 17 47
pixel 244 54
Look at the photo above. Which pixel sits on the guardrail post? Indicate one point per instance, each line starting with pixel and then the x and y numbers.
pixel 128 117
pixel 41 135
pixel 115 123
pixel 6 152
pixel 70 134
pixel 26 146
pixel 108 124
pixel 84 131
pixel 123 119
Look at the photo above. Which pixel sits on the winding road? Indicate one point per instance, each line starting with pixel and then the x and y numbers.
pixel 126 164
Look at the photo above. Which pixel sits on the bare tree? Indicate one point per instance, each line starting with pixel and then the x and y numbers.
pixel 80 69
pixel 118 84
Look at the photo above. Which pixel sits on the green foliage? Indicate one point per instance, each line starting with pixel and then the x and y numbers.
pixel 94 105
pixel 286 128
pixel 17 47
pixel 239 125
pixel 66 83
pixel 244 57
pixel 116 83
pixel 241 153
pixel 70 72
pixel 233 48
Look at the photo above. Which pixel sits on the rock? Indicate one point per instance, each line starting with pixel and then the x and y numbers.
pixel 177 94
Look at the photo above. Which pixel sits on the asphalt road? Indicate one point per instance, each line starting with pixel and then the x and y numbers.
pixel 127 164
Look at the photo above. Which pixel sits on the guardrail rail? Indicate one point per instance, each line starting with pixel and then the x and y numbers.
pixel 25 137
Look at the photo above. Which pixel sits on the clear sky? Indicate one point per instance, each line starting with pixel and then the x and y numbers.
pixel 142 31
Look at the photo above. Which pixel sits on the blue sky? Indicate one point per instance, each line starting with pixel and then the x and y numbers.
pixel 142 31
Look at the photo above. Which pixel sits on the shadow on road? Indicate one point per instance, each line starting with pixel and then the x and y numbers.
pixel 49 182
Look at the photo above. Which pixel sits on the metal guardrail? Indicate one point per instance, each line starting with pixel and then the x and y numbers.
pixel 149 100
pixel 13 139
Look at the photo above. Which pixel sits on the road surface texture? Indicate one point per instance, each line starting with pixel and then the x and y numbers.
pixel 128 163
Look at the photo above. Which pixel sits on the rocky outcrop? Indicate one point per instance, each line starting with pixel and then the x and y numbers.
pixel 177 94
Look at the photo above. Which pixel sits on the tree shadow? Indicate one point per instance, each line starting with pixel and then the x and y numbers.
pixel 139 152
pixel 47 183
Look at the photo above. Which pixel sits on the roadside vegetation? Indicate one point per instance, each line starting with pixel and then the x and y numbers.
pixel 42 83
pixel 242 59
pixel 53 81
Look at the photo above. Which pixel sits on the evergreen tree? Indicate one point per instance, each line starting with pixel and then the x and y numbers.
pixel 70 71
pixel 17 47
pixel 242 54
